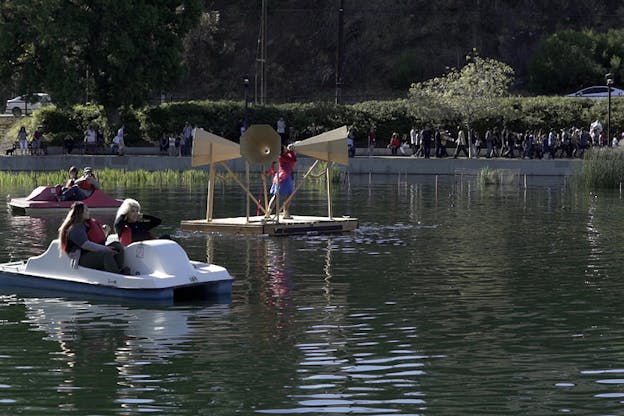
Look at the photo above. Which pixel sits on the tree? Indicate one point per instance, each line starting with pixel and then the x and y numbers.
pixel 465 94
pixel 565 62
pixel 115 53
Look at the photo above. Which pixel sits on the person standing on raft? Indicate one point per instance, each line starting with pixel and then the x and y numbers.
pixel 284 176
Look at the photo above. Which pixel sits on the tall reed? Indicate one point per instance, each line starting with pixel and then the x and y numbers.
pixel 602 168
pixel 108 177
pixel 489 176
pixel 319 171
pixel 115 177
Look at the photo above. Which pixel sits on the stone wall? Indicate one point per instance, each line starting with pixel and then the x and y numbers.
pixel 357 165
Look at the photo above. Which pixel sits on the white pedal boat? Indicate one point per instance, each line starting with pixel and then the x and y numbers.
pixel 159 270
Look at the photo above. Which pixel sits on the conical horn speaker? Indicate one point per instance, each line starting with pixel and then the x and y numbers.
pixel 330 146
pixel 260 144
pixel 209 148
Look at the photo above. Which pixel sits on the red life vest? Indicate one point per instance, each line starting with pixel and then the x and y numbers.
pixel 86 184
pixel 125 238
pixel 95 232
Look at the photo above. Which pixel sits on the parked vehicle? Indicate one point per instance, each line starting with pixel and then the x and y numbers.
pixel 26 104
pixel 597 91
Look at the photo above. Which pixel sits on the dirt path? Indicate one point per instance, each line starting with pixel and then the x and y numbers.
pixel 6 142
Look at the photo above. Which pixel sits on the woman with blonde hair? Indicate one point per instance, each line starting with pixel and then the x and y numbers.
pixel 131 225
pixel 75 242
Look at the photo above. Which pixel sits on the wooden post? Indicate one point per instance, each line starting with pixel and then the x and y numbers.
pixel 290 197
pixel 242 186
pixel 247 183
pixel 210 197
pixel 277 194
pixel 264 192
pixel 328 178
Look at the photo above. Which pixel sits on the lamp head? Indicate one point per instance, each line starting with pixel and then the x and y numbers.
pixel 609 78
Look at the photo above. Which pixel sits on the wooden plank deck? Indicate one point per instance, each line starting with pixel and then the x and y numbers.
pixel 298 224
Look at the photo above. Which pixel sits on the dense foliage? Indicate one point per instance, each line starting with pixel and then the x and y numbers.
pixel 569 60
pixel 467 94
pixel 388 44
pixel 225 117
pixel 113 52
pixel 116 52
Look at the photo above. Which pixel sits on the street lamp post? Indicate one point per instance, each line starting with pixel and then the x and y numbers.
pixel 609 78
pixel 246 85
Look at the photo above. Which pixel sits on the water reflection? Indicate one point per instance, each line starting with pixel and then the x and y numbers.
pixel 352 365
pixel 123 342
pixel 153 334
pixel 449 299
pixel 350 361
pixel 34 237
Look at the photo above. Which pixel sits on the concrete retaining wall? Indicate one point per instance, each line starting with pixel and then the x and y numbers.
pixel 357 165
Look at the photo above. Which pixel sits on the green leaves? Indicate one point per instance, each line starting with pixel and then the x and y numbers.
pixel 569 60
pixel 112 52
pixel 464 94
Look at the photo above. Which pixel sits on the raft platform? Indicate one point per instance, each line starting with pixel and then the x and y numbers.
pixel 257 225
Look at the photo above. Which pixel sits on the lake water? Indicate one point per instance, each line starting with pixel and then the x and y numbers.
pixel 450 299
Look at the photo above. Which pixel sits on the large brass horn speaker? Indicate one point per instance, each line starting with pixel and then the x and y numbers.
pixel 260 144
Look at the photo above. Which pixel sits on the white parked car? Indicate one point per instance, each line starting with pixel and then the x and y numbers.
pixel 597 91
pixel 18 105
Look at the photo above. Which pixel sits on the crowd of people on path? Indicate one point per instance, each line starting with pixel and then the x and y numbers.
pixel 177 144
pixel 422 142
pixel 494 142
pixel 36 146
pixel 92 142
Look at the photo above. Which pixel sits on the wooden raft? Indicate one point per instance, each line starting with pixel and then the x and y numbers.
pixel 298 224
pixel 261 145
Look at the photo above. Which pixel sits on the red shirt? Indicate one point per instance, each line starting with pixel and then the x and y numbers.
pixel 286 165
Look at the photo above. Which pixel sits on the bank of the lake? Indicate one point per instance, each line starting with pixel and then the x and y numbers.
pixel 379 164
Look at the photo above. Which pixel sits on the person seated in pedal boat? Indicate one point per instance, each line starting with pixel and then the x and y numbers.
pixel 131 225
pixel 76 235
pixel 82 188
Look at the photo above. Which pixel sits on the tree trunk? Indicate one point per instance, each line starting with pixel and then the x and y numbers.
pixel 469 136
pixel 113 117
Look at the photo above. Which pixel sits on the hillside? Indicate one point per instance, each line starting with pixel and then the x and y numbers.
pixel 387 44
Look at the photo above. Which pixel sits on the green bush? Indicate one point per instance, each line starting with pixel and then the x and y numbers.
pixel 84 116
pixel 221 117
pixel 386 116
pixel 146 125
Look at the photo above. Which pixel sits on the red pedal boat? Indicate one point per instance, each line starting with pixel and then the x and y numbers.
pixel 42 200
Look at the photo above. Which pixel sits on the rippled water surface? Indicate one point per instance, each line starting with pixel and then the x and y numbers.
pixel 450 299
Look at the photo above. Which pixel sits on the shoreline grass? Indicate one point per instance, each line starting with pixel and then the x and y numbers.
pixel 108 177
pixel 602 168
pixel 489 176
pixel 117 177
